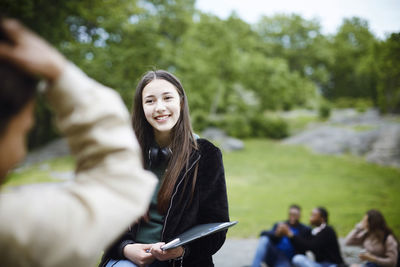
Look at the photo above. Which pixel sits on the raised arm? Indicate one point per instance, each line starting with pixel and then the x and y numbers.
pixel 70 225
pixel 356 236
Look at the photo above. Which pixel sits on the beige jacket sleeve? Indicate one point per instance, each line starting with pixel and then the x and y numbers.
pixel 70 224
pixel 356 236
pixel 391 251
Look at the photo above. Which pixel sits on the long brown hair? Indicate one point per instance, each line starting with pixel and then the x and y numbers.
pixel 183 141
pixel 377 225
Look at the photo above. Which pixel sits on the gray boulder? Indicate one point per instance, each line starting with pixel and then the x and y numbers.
pixel 325 139
pixel 351 116
pixel 231 144
pixel 386 150
pixel 362 142
pixel 226 142
pixel 214 133
pixel 381 146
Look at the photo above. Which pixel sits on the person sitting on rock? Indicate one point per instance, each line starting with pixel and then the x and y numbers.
pixel 378 240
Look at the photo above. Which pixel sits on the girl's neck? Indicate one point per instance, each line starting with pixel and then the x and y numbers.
pixel 162 139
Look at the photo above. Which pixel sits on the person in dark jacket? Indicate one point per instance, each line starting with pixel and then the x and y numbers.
pixel 322 241
pixel 191 188
pixel 273 248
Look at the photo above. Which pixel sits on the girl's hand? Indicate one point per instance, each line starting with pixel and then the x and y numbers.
pixel 138 254
pixel 163 255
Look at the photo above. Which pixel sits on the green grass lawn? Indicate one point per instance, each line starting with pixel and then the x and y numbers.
pixel 266 177
pixel 40 173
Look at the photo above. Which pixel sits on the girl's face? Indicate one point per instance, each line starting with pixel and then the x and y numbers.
pixel 161 106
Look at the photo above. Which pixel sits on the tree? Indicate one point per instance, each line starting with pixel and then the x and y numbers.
pixel 389 74
pixel 353 70
pixel 47 18
pixel 227 66
pixel 114 41
pixel 300 42
pixel 207 63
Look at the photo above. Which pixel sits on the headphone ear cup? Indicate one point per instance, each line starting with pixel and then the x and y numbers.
pixel 153 156
pixel 157 155
pixel 166 153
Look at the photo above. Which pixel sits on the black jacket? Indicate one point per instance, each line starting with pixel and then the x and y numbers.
pixel 304 231
pixel 324 245
pixel 209 204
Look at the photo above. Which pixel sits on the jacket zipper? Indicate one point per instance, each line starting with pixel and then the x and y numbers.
pixel 173 195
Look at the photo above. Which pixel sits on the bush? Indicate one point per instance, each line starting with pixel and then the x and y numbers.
pixel 360 104
pixel 324 110
pixel 269 126
pixel 344 102
pixel 236 126
pixel 363 104
pixel 200 120
pixel 244 125
pixel 250 125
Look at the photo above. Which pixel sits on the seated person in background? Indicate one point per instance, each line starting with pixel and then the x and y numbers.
pixel 322 241
pixel 376 238
pixel 275 249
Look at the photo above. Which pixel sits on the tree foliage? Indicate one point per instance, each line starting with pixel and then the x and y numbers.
pixel 228 67
pixel 354 69
pixel 389 74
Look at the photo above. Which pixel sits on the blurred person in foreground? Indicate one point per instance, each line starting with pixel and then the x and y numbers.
pixel 380 244
pixel 322 242
pixel 66 224
pixel 274 248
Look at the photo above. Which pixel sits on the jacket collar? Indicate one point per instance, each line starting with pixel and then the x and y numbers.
pixel 318 229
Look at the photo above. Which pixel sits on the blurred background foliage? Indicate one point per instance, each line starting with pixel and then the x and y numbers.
pixel 234 72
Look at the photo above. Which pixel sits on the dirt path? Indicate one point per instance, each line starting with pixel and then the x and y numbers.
pixel 240 252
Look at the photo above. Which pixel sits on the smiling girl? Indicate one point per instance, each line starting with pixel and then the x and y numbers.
pixel 191 188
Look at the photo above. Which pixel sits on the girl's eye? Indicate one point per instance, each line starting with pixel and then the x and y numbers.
pixel 168 97
pixel 148 101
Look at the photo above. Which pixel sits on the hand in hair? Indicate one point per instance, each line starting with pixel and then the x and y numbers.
pixel 364 223
pixel 30 52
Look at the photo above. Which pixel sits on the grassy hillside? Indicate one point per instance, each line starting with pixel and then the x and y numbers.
pixel 266 177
